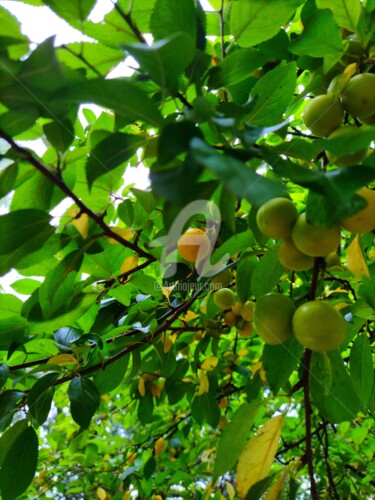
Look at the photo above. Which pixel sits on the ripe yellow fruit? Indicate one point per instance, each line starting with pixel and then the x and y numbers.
pixel 276 218
pixel 194 245
pixel 245 329
pixel 358 96
pixel 346 160
pixel 364 220
pixel 323 114
pixel 318 326
pixel 313 240
pixel 221 280
pixel 292 258
pixel 273 314
pixel 236 309
pixel 247 310
pixel 230 319
pixel 224 298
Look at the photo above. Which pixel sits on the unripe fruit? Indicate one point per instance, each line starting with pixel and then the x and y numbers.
pixel 247 310
pixel 313 240
pixel 323 114
pixel 292 258
pixel 353 53
pixel 230 319
pixel 346 160
pixel 222 280
pixel 369 120
pixel 224 298
pixel 273 318
pixel 194 245
pixel 319 326
pixel 245 329
pixel 358 96
pixel 333 259
pixel 364 220
pixel 276 218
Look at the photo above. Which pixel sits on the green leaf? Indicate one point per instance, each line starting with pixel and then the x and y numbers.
pixel 166 59
pixel 110 94
pixel 272 94
pixel 9 400
pixel 25 286
pixel 169 17
pixel 8 178
pixel 110 153
pixel 84 400
pixel 361 369
pixel 279 362
pixel 238 178
pixel 19 465
pixel 175 139
pixel 236 67
pixel 60 134
pixel 111 376
pixel 234 245
pixel 266 275
pixel 234 437
pixel 22 232
pixel 321 36
pixel 8 437
pixel 345 12
pixel 4 373
pixel 16 121
pixel 332 390
pixel 56 292
pixel 254 21
pixel 73 11
pixel 40 398
pixel 204 408
pixel 245 271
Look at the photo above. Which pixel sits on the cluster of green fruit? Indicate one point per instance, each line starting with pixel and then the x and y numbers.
pixel 317 325
pixel 324 114
pixel 301 241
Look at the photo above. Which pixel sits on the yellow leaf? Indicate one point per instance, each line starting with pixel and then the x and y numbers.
pixel 189 316
pixel 167 290
pixel 209 363
pixel 102 494
pixel 159 446
pixel 230 490
pixel 81 223
pixel 62 360
pixel 256 459
pixel 141 386
pixel 124 232
pixel 274 493
pixel 204 384
pixel 258 367
pixel 129 264
pixel 156 389
pixel 355 260
pixel 167 342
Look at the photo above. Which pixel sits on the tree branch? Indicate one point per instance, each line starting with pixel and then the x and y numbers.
pixel 129 21
pixel 49 174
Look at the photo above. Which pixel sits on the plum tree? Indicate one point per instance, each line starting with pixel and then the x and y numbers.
pixel 323 114
pixel 247 310
pixel 364 220
pixel 273 314
pixel 358 95
pixel 276 217
pixel 292 258
pixel 313 240
pixel 346 160
pixel 225 298
pixel 318 326
pixel 244 328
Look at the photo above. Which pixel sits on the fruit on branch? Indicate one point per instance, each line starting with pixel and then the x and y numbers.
pixel 313 240
pixel 194 245
pixel 276 217
pixel 247 310
pixel 236 308
pixel 333 259
pixel 244 328
pixel 323 114
pixel 347 132
pixel 358 96
pixel 225 298
pixel 222 279
pixel 364 220
pixel 273 314
pixel 318 326
pixel 230 319
pixel 292 258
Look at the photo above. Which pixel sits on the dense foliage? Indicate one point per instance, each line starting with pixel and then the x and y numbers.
pixel 122 375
